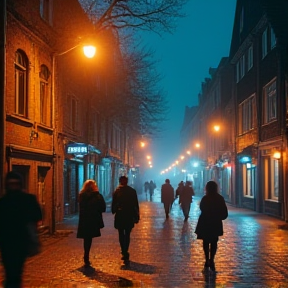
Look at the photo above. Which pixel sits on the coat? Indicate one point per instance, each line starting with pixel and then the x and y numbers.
pixel 125 206
pixel 91 207
pixel 213 211
pixel 185 196
pixel 167 194
pixel 17 210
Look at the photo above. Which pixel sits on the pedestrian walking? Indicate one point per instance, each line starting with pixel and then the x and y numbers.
pixel 152 187
pixel 167 196
pixel 125 206
pixel 91 207
pixel 18 211
pixel 179 189
pixel 210 227
pixel 186 198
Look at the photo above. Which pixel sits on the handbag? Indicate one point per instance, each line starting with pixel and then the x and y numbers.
pixel 33 241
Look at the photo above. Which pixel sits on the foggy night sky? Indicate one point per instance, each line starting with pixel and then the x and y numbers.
pixel 199 42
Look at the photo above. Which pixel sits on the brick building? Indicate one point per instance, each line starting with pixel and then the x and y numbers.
pixel 250 155
pixel 58 124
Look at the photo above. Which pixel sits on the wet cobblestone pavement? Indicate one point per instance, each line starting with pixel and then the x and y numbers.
pixel 165 253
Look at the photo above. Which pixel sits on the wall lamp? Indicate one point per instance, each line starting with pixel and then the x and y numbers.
pixel 277 155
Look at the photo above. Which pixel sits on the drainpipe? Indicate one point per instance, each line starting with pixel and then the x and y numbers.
pixel 2 87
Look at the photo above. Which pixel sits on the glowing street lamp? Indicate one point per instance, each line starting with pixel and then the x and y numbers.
pixel 89 51
pixel 197 145
pixel 142 144
pixel 216 128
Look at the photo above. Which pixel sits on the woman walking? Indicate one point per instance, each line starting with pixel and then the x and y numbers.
pixel 210 227
pixel 91 207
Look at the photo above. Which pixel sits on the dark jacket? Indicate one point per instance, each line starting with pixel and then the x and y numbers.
pixel 185 196
pixel 179 189
pixel 125 206
pixel 17 209
pixel 213 211
pixel 167 193
pixel 91 207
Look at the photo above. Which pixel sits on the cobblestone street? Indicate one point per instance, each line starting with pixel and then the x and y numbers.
pixel 165 253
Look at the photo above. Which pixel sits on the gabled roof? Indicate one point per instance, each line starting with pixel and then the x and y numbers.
pixel 276 12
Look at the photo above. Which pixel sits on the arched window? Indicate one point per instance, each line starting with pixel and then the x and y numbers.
pixel 44 96
pixel 21 78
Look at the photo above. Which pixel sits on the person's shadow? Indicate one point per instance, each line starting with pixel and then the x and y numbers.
pixel 210 279
pixel 105 278
pixel 139 267
pixel 111 280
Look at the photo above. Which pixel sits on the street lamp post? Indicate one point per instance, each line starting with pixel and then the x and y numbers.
pixel 89 51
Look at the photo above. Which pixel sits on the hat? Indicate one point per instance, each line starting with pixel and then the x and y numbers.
pixel 12 175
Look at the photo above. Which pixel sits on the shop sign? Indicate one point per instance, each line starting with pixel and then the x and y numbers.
pixel 77 149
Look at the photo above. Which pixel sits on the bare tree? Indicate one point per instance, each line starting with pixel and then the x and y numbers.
pixel 137 101
pixel 154 15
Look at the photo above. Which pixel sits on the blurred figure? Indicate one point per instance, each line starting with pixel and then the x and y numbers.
pixel 152 186
pixel 210 227
pixel 179 189
pixel 146 187
pixel 167 196
pixel 185 199
pixel 91 207
pixel 18 210
pixel 125 206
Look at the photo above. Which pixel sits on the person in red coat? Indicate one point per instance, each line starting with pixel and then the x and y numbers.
pixel 210 227
pixel 91 207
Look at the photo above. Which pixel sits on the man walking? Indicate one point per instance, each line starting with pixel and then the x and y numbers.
pixel 185 199
pixel 125 206
pixel 167 196
pixel 18 210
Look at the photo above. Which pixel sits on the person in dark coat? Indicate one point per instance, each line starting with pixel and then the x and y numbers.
pixel 91 207
pixel 125 206
pixel 210 227
pixel 18 209
pixel 152 187
pixel 167 196
pixel 185 199
pixel 179 189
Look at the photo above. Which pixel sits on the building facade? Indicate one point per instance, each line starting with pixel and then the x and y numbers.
pixel 248 158
pixel 58 124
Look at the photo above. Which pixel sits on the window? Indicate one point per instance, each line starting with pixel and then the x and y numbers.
pixel 21 78
pixel 272 38
pixel 264 44
pixel 247 115
pixel 271 178
pixel 240 68
pixel 249 179
pixel 44 96
pixel 270 102
pixel 45 10
pixel 250 58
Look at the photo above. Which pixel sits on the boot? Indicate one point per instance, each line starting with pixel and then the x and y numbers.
pixel 86 260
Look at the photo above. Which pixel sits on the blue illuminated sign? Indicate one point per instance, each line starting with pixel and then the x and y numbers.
pixel 245 159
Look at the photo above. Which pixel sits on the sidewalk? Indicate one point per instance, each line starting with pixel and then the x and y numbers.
pixel 165 253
